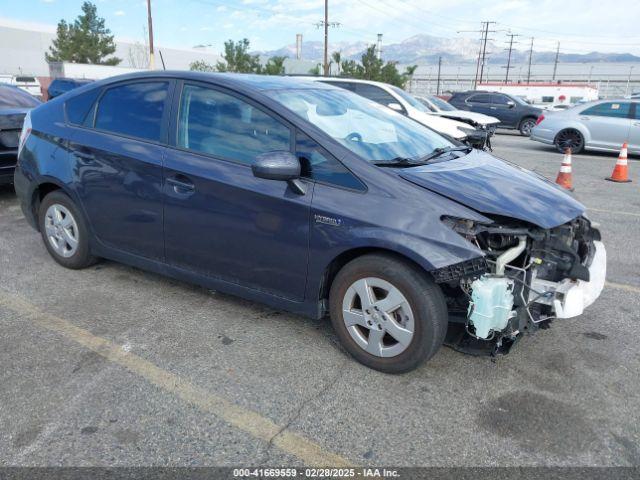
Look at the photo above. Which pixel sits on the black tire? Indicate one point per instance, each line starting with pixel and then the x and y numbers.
pixel 425 299
pixel 526 125
pixel 82 257
pixel 569 138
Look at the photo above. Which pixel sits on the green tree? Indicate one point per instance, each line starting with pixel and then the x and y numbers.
pixel 87 40
pixel 201 66
pixel 373 68
pixel 315 70
pixel 336 58
pixel 275 66
pixel 238 59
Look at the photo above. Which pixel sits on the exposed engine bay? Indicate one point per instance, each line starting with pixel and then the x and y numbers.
pixel 528 277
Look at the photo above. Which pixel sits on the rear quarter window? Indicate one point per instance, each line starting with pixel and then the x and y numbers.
pixel 78 108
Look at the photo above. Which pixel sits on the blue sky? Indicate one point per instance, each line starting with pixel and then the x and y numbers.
pixel 580 25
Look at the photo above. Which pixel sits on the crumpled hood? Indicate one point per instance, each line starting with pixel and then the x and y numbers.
pixel 463 115
pixel 491 186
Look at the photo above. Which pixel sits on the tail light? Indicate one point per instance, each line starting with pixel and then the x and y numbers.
pixel 539 120
pixel 26 131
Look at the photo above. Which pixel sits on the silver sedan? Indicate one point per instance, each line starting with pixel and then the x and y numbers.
pixel 603 125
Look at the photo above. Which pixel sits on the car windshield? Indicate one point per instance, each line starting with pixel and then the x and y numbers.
pixel 11 97
pixel 441 104
pixel 372 131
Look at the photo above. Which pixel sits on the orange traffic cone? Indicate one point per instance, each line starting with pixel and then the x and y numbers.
pixel 621 170
pixel 564 175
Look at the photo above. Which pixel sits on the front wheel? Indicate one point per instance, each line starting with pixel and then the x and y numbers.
pixel 389 315
pixel 64 231
pixel 526 126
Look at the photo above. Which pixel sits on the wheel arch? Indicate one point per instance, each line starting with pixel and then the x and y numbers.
pixel 41 190
pixel 338 262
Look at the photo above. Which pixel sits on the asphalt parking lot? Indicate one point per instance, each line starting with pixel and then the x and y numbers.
pixel 113 366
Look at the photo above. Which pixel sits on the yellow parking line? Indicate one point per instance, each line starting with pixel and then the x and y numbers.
pixel 623 286
pixel 248 421
pixel 614 212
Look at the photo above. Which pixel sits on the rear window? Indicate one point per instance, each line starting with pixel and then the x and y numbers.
pixel 78 107
pixel 134 109
pixel 481 98
pixel 15 98
pixel 25 79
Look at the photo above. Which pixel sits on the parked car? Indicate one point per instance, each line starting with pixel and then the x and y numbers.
pixel 603 125
pixel 512 111
pixel 438 106
pixel 62 85
pixel 28 83
pixel 14 105
pixel 397 99
pixel 310 199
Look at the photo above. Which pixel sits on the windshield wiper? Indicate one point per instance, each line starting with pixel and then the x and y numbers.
pixel 396 162
pixel 438 152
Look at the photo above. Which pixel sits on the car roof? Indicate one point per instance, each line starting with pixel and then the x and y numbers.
pixel 346 80
pixel 249 82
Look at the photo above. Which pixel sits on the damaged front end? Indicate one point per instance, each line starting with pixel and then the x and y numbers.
pixel 527 277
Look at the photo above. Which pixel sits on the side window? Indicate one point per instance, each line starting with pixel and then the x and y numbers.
pixel 318 164
pixel 134 109
pixel 346 85
pixel 78 107
pixel 500 99
pixel 374 93
pixel 480 98
pixel 222 125
pixel 610 109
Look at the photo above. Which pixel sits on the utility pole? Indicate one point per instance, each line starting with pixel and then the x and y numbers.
pixel 152 63
pixel 482 53
pixel 379 49
pixel 555 63
pixel 511 37
pixel 438 81
pixel 530 57
pixel 326 38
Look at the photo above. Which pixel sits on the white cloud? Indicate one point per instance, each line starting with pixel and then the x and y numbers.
pixel 119 13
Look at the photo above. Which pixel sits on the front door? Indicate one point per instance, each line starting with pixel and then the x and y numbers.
pixel 220 220
pixel 505 109
pixel 118 164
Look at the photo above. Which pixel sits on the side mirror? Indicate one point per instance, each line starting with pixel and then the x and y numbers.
pixel 511 104
pixel 395 106
pixel 279 165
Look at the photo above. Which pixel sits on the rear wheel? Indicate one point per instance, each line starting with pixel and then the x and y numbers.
pixel 387 313
pixel 64 231
pixel 526 126
pixel 569 138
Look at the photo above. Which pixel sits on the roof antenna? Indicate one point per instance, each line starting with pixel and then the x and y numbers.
pixel 162 59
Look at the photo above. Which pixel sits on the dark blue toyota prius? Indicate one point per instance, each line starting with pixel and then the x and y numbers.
pixel 311 199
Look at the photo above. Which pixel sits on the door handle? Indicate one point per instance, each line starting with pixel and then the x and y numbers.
pixel 181 184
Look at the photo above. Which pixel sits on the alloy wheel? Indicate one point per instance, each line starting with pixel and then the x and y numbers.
pixel 378 317
pixel 569 139
pixel 62 230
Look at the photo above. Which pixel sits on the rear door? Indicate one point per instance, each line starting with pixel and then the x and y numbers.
pixel 608 124
pixel 118 149
pixel 220 220
pixel 480 103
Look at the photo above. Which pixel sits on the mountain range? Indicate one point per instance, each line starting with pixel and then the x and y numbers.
pixel 426 49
